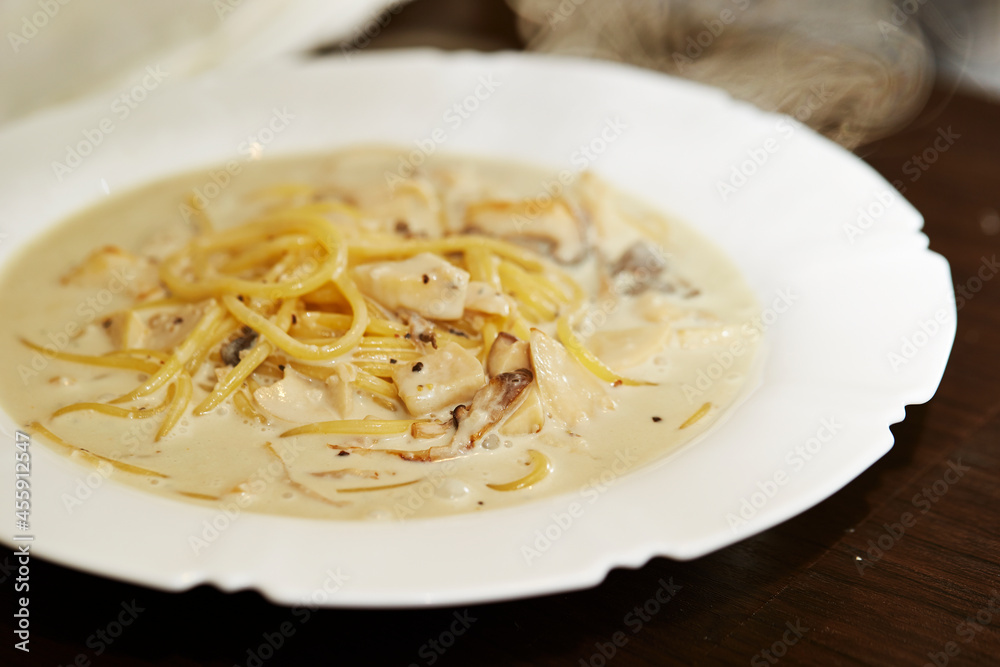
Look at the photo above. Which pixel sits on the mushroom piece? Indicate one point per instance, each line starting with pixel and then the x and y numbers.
pixel 570 393
pixel 442 378
pixel 424 283
pixel 509 353
pixel 549 224
pixel 488 406
pixel 638 269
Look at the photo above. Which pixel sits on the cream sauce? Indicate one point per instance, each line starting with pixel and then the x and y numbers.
pixel 222 455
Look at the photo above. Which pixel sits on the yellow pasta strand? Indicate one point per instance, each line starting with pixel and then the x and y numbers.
pixel 354 427
pixel 110 360
pixel 297 348
pixel 116 411
pixel 541 467
pixel 699 413
pixel 587 358
pixel 177 406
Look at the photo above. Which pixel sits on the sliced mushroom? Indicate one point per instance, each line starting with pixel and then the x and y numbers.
pixel 440 379
pixel 508 353
pixel 625 348
pixel 539 224
pixel 296 398
pixel 569 392
pixel 110 265
pixel 483 298
pixel 424 283
pixel 488 406
pixel 638 269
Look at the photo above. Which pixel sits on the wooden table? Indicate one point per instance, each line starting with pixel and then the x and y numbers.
pixel 886 572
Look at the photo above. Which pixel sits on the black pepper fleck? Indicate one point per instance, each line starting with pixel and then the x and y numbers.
pixel 427 278
pixel 343 453
pixel 295 320
pixel 480 502
pixel 178 320
pixel 106 323
pixel 392 361
pixel 417 367
pixel 657 419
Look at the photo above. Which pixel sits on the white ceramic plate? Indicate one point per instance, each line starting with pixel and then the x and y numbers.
pixel 811 224
pixel 62 50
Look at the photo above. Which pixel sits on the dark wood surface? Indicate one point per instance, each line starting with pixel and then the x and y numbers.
pixel 886 572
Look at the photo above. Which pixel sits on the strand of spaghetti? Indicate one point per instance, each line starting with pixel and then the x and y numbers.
pixel 235 377
pixel 342 322
pixel 376 368
pixel 110 360
pixel 384 357
pixel 324 232
pixel 359 489
pixel 587 358
pixel 375 385
pixel 245 408
pixel 195 340
pixel 248 364
pixel 533 304
pixel 225 328
pixel 385 343
pixel 134 352
pixel 90 456
pixel 490 331
pixel 177 406
pixel 296 348
pixel 354 427
pixel 699 413
pixel 261 254
pixel 481 267
pixel 116 411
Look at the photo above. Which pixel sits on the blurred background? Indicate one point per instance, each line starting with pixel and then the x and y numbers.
pixel 873 62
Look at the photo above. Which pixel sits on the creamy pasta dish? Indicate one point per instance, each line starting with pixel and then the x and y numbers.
pixel 327 336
